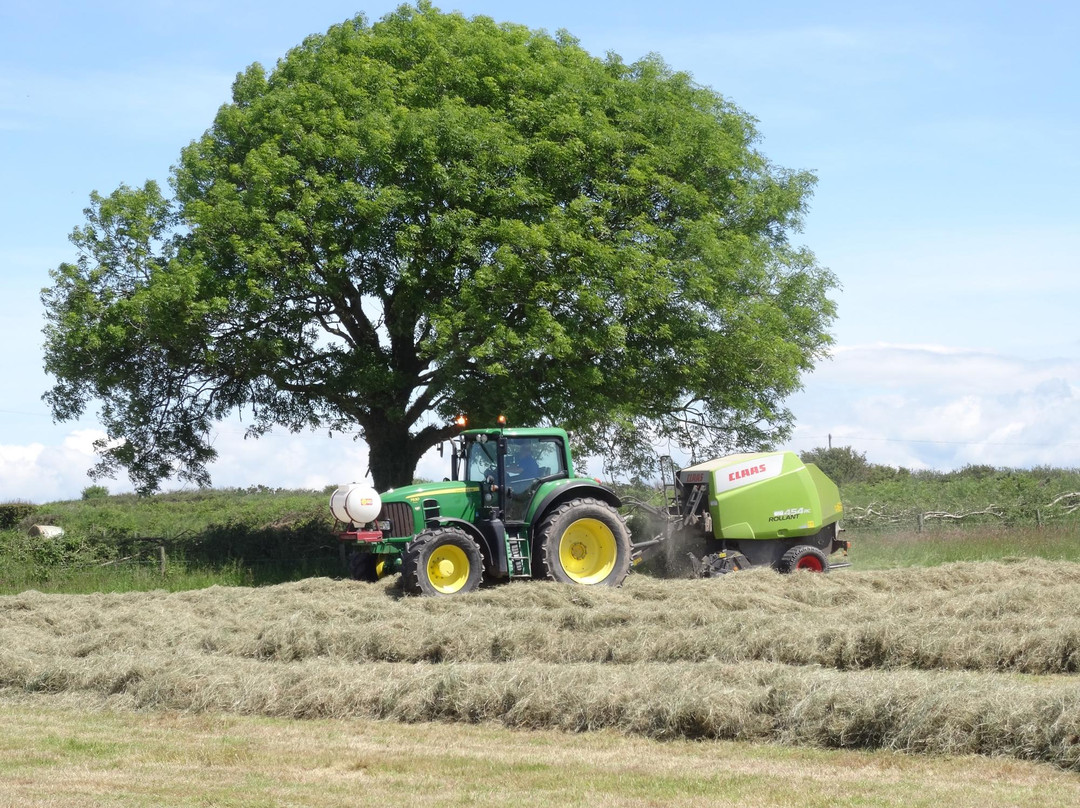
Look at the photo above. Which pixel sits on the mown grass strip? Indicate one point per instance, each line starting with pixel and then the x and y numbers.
pixel 911 711
pixel 1022 618
pixel 973 658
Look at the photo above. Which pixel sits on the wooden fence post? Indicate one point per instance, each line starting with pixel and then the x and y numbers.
pixel 919 528
pixel 161 559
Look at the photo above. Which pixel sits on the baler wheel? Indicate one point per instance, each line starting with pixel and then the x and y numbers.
pixel 441 561
pixel 803 557
pixel 585 541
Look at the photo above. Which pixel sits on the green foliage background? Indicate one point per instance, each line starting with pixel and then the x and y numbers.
pixel 876 495
pixel 261 535
pixel 249 536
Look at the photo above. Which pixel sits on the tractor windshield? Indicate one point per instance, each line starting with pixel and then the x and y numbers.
pixel 481 460
pixel 527 459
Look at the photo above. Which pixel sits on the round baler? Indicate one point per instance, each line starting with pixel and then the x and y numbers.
pixel 764 508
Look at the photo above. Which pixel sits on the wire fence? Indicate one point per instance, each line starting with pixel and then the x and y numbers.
pixel 1061 509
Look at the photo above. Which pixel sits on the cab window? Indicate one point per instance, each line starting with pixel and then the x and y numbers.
pixel 535 457
pixel 481 460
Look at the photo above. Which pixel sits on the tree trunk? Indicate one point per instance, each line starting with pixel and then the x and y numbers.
pixel 392 455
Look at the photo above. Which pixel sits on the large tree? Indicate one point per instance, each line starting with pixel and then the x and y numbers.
pixel 433 215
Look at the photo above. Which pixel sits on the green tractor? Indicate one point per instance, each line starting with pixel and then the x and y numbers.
pixel 514 508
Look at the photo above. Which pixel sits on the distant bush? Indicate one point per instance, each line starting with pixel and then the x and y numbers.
pixel 989 495
pixel 95 492
pixel 11 513
pixel 841 464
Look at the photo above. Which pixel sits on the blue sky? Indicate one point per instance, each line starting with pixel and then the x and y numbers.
pixel 944 136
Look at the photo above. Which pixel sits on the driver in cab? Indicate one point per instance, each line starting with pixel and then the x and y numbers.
pixel 523 466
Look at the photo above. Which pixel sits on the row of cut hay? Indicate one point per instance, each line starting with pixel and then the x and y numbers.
pixel 1022 618
pixel 916 711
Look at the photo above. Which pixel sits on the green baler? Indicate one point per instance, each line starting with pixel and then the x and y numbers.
pixel 760 508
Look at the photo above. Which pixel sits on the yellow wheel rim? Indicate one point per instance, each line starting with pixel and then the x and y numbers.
pixel 587 551
pixel 448 568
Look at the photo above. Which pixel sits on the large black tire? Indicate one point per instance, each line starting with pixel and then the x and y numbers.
pixel 803 557
pixel 441 561
pixel 363 566
pixel 584 541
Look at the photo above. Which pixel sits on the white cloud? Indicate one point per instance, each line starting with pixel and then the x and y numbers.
pixel 37 472
pixel 937 369
pixel 931 406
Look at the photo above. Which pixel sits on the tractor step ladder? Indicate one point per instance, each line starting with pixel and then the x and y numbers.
pixel 518 556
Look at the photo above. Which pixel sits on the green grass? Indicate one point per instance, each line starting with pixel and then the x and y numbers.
pixel 886 549
pixel 57 752
pixel 146 576
pixel 227 537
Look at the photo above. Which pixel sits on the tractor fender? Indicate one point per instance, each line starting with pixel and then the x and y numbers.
pixel 572 490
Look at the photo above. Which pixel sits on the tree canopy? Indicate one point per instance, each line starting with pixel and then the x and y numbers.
pixel 435 214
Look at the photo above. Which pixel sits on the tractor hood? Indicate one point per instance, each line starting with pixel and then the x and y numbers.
pixel 414 494
pixel 410 507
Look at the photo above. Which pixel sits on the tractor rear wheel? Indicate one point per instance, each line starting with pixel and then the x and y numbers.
pixel 441 561
pixel 803 557
pixel 584 541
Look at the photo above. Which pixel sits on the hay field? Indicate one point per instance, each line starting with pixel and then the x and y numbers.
pixel 974 658
pixel 54 752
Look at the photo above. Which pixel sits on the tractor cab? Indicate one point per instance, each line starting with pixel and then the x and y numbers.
pixel 510 466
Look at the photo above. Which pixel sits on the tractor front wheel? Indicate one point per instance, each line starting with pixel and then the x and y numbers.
pixel 585 541
pixel 363 566
pixel 442 561
pixel 803 557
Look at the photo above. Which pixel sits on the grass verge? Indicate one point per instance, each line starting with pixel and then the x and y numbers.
pixel 889 549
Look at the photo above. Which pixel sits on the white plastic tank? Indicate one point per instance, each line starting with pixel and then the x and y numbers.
pixel 355 503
